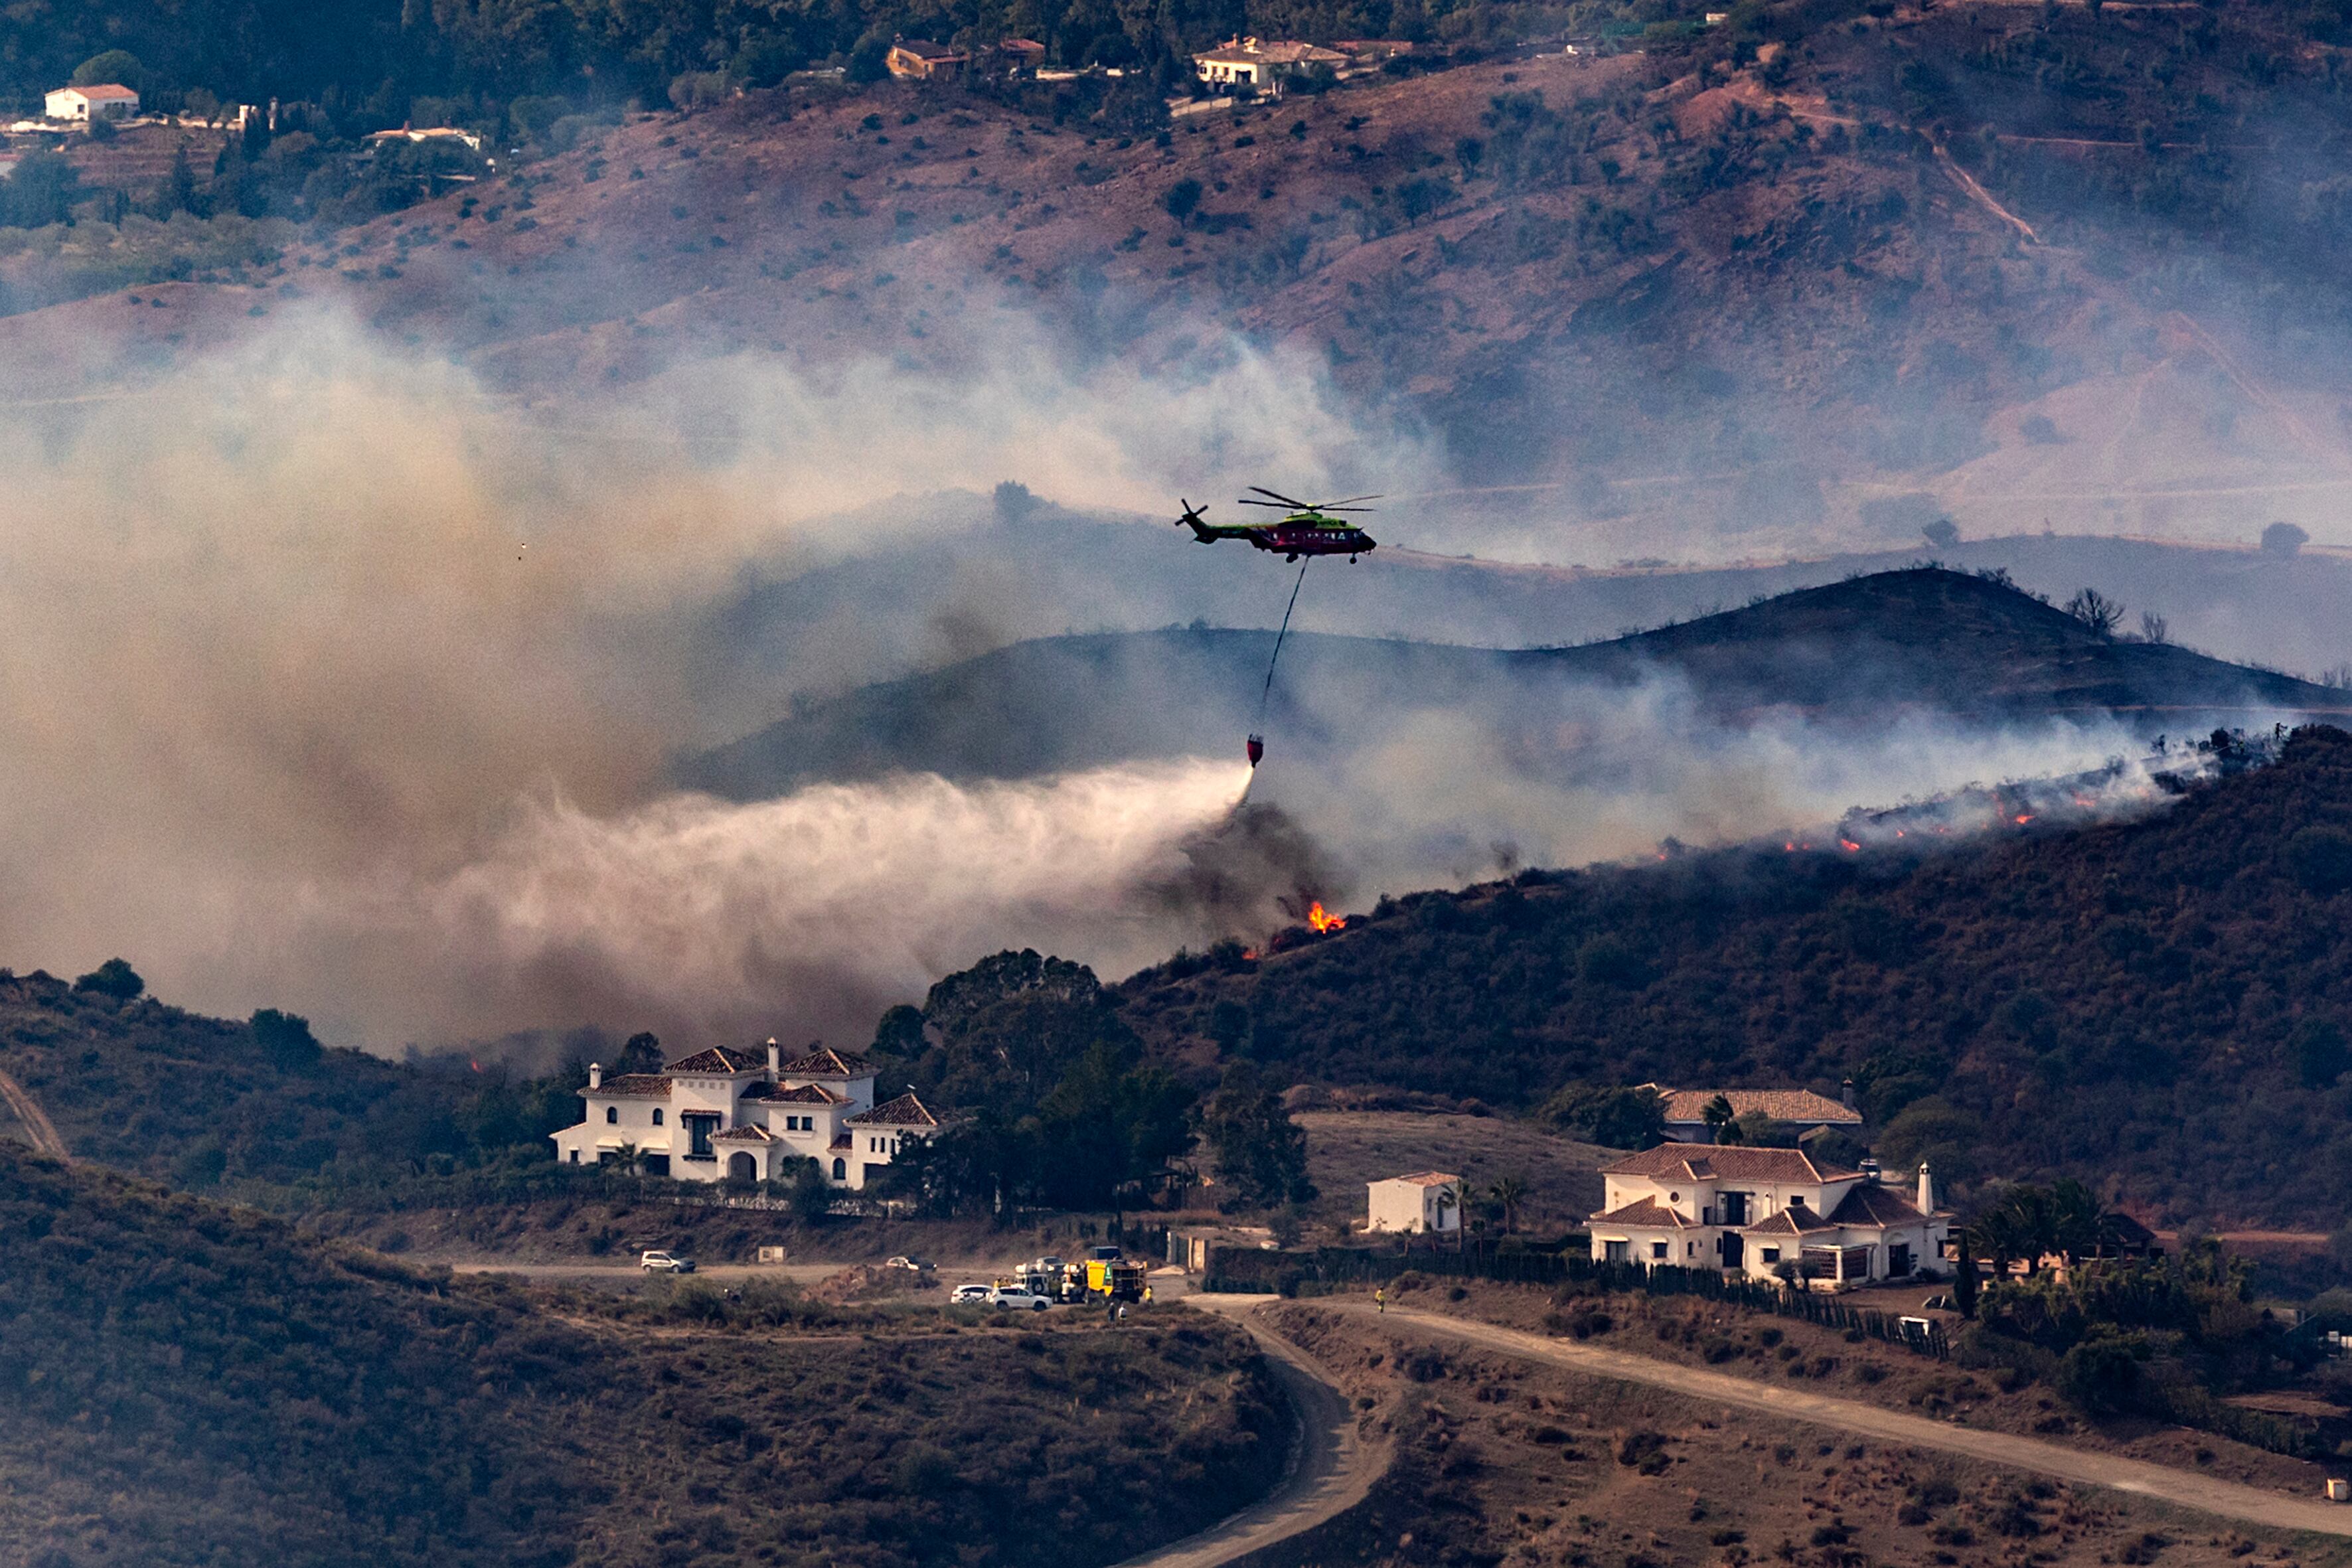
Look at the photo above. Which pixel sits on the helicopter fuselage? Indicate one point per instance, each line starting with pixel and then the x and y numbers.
pixel 1293 536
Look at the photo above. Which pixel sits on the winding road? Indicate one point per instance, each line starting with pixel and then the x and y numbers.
pixel 1332 1469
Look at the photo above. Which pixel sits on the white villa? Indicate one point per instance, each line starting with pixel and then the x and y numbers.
pixel 1261 65
pixel 1754 1210
pixel 723 1114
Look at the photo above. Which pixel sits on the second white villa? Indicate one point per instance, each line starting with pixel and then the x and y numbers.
pixel 722 1114
pixel 1756 1210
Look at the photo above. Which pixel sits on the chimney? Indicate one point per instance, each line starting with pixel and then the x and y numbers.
pixel 1926 1190
pixel 776 1059
pixel 1845 1094
pixel 595 1075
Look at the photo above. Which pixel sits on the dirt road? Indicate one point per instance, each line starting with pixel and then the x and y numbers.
pixel 1329 1471
pixel 35 1121
pixel 2186 1488
pixel 798 1273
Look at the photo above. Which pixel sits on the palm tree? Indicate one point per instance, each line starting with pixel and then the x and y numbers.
pixel 1718 1115
pixel 1509 1192
pixel 1447 1201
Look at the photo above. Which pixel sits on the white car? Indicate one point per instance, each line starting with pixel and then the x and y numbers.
pixel 971 1293
pixel 915 1265
pixel 1019 1300
pixel 665 1263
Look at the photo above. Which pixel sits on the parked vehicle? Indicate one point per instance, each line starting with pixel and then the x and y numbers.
pixel 1937 1304
pixel 665 1263
pixel 971 1293
pixel 915 1264
pixel 1017 1299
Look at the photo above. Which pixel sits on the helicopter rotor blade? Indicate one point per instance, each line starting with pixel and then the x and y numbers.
pixel 1276 505
pixel 1351 501
pixel 1283 499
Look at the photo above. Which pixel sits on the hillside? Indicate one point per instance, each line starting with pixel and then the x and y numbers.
pixel 159 1091
pixel 1760 279
pixel 2160 1007
pixel 1853 653
pixel 186 1380
pixel 997 576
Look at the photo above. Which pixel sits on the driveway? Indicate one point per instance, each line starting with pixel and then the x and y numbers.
pixel 1330 1468
pixel 2187 1489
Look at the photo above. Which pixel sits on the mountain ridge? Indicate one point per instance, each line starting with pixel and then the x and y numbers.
pixel 1846 651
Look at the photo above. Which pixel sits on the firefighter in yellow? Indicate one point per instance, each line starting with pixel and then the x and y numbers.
pixel 1379 1300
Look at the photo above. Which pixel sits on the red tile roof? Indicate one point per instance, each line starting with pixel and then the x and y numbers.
pixel 633 1083
pixel 1429 1179
pixel 103 90
pixel 806 1094
pixel 746 1132
pixel 1789 1222
pixel 924 50
pixel 1739 1163
pixel 830 1064
pixel 904 1111
pixel 1871 1203
pixel 719 1061
pixel 1689 1105
pixel 1647 1213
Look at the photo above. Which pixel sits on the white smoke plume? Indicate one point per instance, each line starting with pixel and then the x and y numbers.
pixel 300 631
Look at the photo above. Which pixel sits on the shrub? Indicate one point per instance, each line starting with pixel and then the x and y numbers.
pixel 1182 200
pixel 113 978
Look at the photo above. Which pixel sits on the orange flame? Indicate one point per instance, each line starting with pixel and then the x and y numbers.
pixel 2026 818
pixel 1321 921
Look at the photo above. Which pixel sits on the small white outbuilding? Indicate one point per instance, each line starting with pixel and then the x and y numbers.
pixel 100 101
pixel 1431 1201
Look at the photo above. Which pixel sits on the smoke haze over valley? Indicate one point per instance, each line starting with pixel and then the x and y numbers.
pixel 369 605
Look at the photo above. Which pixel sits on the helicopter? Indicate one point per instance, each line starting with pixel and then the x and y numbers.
pixel 1309 529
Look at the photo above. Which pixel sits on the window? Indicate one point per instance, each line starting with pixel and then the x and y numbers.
pixel 841 1170
pixel 1615 1251
pixel 575 1156
pixel 1771 1253
pixel 700 1126
pixel 1658 1250
pixel 612 1114
pixel 658 1116
pixel 1690 1249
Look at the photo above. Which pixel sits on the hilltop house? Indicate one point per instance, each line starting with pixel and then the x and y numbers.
pixel 1756 1210
pixel 1261 64
pixel 723 1114
pixel 99 101
pixel 1431 1201
pixel 1796 1110
pixel 919 59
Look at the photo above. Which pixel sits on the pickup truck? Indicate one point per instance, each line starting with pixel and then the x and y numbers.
pixel 665 1263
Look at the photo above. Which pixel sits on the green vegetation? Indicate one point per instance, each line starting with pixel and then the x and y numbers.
pixel 187 1382
pixel 259 1109
pixel 1059 1106
pixel 2155 1007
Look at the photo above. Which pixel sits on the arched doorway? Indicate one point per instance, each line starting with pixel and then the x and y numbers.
pixel 742 1168
pixel 841 1170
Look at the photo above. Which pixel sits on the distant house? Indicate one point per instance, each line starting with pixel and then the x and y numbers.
pixel 1759 1211
pixel 724 1114
pixel 99 101
pixel 1790 1111
pixel 918 59
pixel 1430 1202
pixel 427 133
pixel 1021 54
pixel 1261 64
pixel 1371 50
